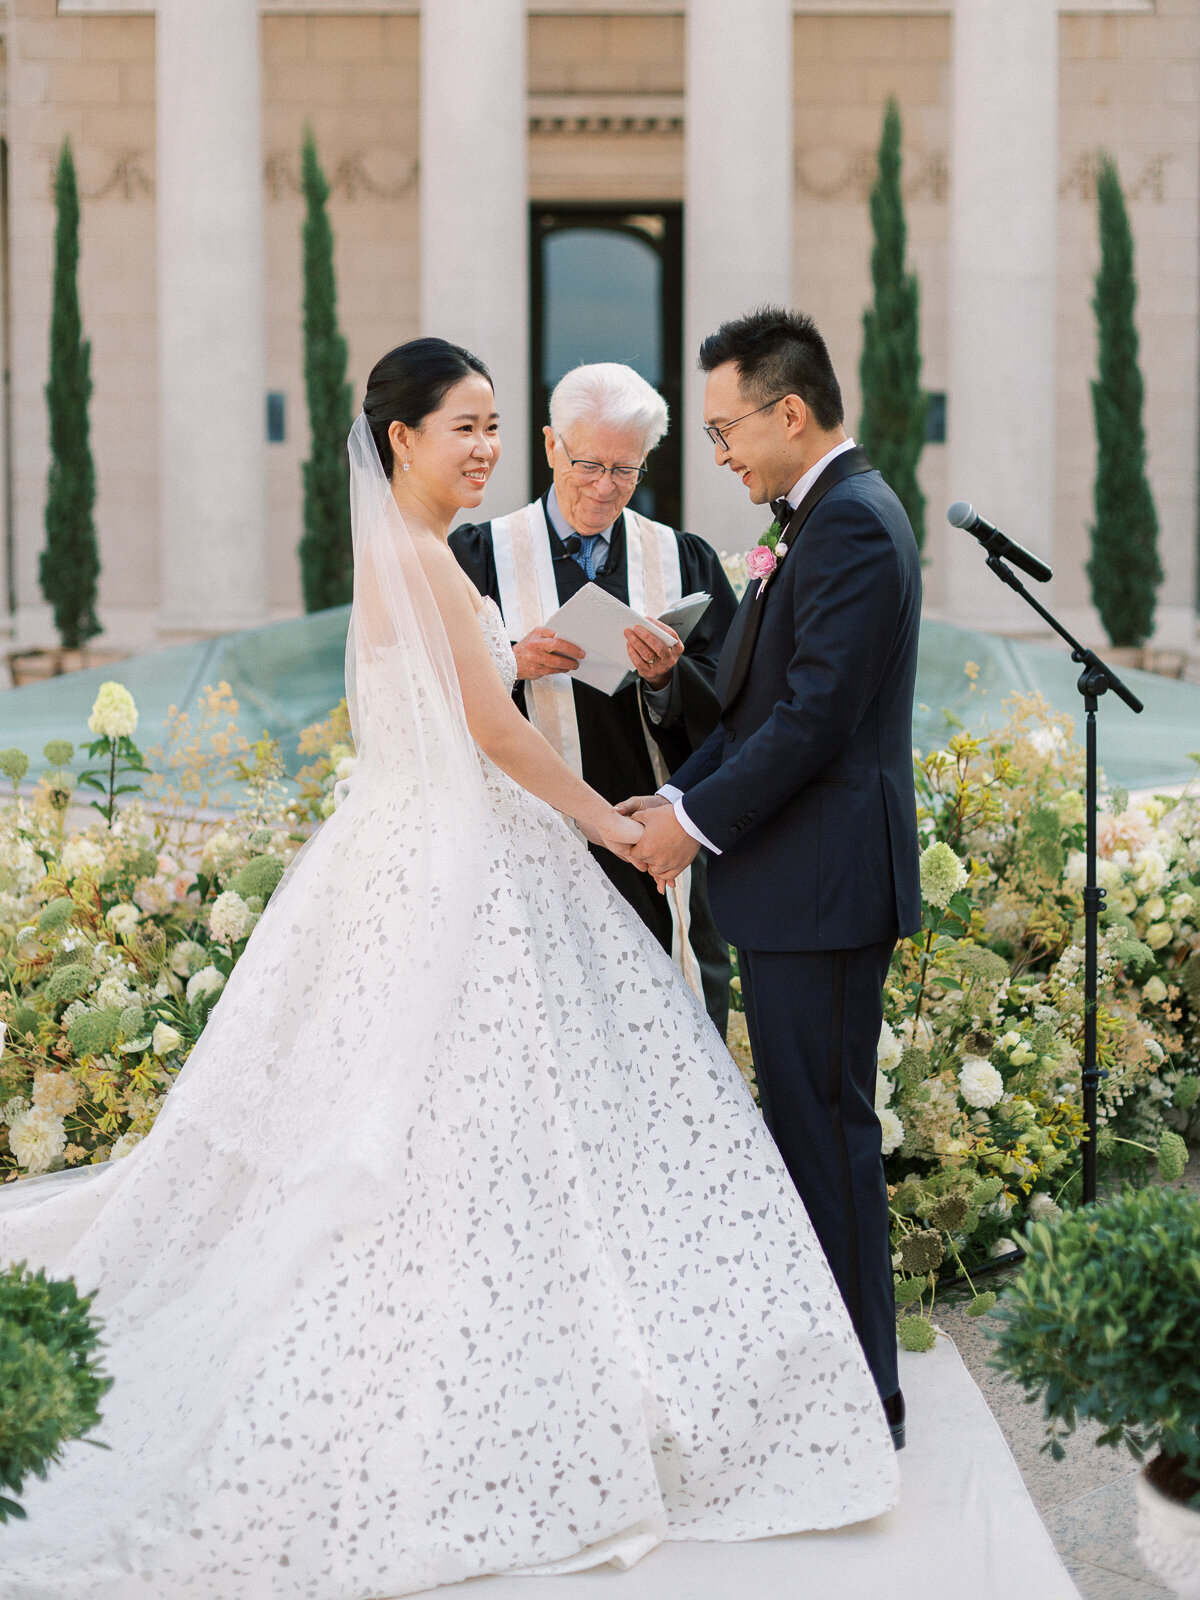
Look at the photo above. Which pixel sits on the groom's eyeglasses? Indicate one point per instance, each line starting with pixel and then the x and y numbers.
pixel 717 435
pixel 593 471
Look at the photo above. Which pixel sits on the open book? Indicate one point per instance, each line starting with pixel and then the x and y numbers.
pixel 596 621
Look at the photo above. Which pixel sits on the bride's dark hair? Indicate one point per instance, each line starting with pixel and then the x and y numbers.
pixel 410 382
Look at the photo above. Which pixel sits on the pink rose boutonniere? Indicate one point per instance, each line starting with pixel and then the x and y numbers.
pixel 766 556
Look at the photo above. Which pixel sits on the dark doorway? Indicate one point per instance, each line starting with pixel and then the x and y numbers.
pixel 607 285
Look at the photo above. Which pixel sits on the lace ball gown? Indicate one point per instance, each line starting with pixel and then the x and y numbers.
pixel 573 1308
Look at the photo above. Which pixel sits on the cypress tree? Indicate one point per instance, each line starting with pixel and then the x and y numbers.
pixel 325 550
pixel 1124 569
pixel 892 430
pixel 70 563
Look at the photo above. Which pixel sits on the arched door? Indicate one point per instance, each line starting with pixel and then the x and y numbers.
pixel 607 286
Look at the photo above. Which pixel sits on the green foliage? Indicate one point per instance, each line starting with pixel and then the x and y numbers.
pixel 915 1334
pixel 1101 1323
pixel 70 562
pixel 68 983
pixel 1172 1159
pixel 325 555
pixel 892 429
pixel 94 1032
pixel 259 877
pixel 119 758
pixel 50 1376
pixel 982 1304
pixel 14 764
pixel 1124 568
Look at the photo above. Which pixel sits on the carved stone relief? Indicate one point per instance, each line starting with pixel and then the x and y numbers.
pixel 823 173
pixel 349 179
pixel 1079 183
pixel 130 177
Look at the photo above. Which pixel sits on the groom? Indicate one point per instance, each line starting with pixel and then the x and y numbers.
pixel 803 795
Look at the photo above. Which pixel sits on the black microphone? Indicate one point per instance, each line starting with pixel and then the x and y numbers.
pixel 962 514
pixel 572 544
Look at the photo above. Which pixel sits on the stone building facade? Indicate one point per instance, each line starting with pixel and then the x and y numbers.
pixel 446 127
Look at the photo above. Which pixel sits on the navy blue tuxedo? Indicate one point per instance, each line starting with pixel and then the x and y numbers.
pixel 806 784
pixel 806 788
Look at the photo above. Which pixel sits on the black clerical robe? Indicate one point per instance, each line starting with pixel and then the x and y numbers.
pixel 613 746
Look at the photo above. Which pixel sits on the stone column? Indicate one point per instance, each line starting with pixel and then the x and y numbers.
pixel 738 186
pixel 474 207
pixel 210 315
pixel 1003 222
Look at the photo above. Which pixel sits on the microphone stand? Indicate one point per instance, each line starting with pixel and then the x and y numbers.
pixel 1095 679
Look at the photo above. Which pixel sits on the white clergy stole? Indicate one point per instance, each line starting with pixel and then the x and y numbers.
pixel 529 594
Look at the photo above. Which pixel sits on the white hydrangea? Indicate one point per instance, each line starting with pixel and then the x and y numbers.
pixel 82 855
pixel 153 897
pixel 123 1145
pixel 1043 1209
pixel 979 1083
pixel 220 850
pixel 345 768
pixel 230 918
pixel 942 875
pixel 187 957
pixel 893 1130
pixel 889 1049
pixel 21 861
pixel 1048 739
pixel 883 1091
pixel 1159 934
pixel 165 1039
pixel 1151 871
pixel 114 715
pixel 1109 874
pixel 123 918
pixel 1075 872
pixel 113 993
pixel 206 982
pixel 13 1108
pixel 36 1138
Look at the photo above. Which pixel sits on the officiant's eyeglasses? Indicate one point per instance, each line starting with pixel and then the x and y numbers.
pixel 717 435
pixel 593 471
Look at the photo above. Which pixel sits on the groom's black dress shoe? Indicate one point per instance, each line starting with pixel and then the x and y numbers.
pixel 893 1410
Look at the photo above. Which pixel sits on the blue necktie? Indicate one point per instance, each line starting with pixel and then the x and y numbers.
pixel 589 557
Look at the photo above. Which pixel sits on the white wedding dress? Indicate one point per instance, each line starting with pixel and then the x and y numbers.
pixel 443 1264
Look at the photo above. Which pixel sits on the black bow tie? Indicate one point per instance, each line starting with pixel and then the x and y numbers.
pixel 781 510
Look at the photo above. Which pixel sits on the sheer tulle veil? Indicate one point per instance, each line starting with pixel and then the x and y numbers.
pixel 292 1120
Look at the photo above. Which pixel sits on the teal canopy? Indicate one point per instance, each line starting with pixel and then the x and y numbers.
pixel 290 674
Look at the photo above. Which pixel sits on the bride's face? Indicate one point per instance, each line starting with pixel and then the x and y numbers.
pixel 453 453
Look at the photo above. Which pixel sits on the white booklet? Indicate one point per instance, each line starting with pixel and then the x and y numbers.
pixel 596 621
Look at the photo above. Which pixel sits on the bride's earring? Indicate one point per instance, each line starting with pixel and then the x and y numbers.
pixel 407 464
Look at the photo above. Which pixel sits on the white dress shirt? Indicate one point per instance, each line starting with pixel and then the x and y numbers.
pixel 794 497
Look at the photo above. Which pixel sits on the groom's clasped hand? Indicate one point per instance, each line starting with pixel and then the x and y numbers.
pixel 664 849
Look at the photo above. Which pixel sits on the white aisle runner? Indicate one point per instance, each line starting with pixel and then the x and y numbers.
pixel 966 1528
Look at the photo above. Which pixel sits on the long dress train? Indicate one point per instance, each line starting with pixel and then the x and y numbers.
pixel 539 1300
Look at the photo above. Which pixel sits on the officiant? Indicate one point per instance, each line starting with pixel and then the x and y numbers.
pixel 604 421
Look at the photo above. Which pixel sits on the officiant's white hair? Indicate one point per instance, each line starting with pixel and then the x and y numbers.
pixel 612 393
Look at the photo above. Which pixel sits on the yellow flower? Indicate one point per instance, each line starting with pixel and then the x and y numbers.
pixel 1160 934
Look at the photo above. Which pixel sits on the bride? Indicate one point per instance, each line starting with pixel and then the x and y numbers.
pixel 459 1246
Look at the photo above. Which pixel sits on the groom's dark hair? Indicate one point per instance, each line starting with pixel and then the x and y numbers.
pixel 778 352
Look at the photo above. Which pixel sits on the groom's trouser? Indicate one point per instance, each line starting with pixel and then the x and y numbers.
pixel 814 1019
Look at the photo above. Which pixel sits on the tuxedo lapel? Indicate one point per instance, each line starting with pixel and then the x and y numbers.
pixel 743 631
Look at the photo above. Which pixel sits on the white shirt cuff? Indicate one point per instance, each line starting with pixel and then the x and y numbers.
pixel 675 796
